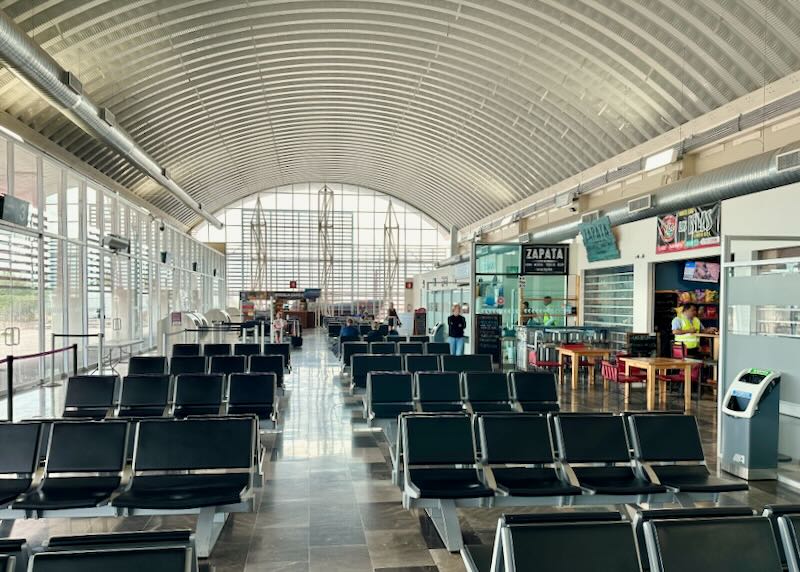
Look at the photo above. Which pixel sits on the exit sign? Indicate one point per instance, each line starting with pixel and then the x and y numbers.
pixel 409 284
pixel 293 284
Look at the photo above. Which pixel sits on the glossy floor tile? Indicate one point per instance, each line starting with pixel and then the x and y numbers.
pixel 328 502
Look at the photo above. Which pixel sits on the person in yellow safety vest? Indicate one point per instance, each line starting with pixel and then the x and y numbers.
pixel 686 326
pixel 542 316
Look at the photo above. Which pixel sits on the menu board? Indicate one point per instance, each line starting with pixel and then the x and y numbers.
pixel 489 332
pixel 642 345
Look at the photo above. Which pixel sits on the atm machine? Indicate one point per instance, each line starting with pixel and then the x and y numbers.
pixel 750 416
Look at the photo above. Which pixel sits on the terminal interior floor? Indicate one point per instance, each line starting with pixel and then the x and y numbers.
pixel 328 501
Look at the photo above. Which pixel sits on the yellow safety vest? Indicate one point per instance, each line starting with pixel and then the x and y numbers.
pixel 691 341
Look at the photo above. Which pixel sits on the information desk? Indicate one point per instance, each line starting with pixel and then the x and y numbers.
pixel 653 365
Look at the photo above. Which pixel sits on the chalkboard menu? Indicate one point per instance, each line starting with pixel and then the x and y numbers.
pixel 489 331
pixel 642 345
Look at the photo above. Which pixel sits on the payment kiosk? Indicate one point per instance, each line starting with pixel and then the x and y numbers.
pixel 750 425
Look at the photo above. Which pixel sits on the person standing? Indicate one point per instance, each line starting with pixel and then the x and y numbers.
pixel 278 325
pixel 456 324
pixel 686 326
pixel 391 316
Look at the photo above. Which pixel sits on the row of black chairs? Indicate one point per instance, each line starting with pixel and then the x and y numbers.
pixel 707 539
pixel 242 349
pixel 350 348
pixel 156 551
pixel 551 460
pixel 186 394
pixel 224 364
pixel 362 364
pixel 392 393
pixel 338 345
pixel 207 466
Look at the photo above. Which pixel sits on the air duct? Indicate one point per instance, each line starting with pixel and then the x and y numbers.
pixel 30 63
pixel 759 173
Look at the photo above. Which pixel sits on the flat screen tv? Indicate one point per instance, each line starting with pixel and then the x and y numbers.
pixel 14 210
pixel 701 271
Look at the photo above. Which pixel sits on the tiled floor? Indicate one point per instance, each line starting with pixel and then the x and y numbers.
pixel 328 502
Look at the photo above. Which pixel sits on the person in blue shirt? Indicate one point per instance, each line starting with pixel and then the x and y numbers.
pixel 349 329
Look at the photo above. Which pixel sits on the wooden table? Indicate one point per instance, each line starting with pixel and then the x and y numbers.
pixel 576 354
pixel 652 365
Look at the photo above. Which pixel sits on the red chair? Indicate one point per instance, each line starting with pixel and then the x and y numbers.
pixel 615 373
pixel 679 352
pixel 534 360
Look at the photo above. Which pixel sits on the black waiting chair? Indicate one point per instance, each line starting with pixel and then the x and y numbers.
pixel 14 554
pixel 418 362
pixel 646 515
pixel 535 391
pixel 486 391
pixel 91 396
pixel 382 348
pixel 787 536
pixel 138 539
pixel 282 350
pixel 669 447
pixel 744 544
pixel 199 394
pixel 147 365
pixel 439 454
pixel 246 349
pixel 410 347
pixel 145 396
pixel 438 391
pixel 228 364
pixel 363 364
pixel 186 350
pixel 594 450
pixel 420 339
pixel 467 362
pixel 333 330
pixel 19 443
pixel 349 349
pixel 268 364
pixel 159 559
pixel 389 394
pixel 216 350
pixel 192 463
pixel 338 345
pixel 188 364
pixel 517 455
pixel 437 348
pixel 85 462
pixel 364 329
pixel 253 393
pixel 558 542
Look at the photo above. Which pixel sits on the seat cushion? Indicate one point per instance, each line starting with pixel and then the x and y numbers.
pixel 448 483
pixel 390 410
pixel 490 406
pixel 695 479
pixel 72 492
pixel 263 411
pixel 615 481
pixel 532 482
pixel 10 489
pixel 183 491
pixel 441 406
pixel 87 413
pixel 187 410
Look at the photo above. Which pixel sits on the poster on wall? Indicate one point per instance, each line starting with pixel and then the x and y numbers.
pixel 599 240
pixel 696 227
pixel 545 259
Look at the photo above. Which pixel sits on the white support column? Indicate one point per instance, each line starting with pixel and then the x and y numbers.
pixel 391 256
pixel 325 248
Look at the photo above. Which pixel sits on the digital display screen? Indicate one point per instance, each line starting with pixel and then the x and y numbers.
pixel 699 271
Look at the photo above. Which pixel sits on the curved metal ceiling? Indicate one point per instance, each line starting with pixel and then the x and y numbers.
pixel 457 108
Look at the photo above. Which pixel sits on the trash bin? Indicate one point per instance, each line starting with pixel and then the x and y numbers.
pixel 750 425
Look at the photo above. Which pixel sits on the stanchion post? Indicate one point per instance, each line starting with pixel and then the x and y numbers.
pixel 74 359
pixel 53 359
pixel 10 387
pixel 261 329
pixel 100 349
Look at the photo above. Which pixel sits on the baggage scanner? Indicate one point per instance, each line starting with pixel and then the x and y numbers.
pixel 750 425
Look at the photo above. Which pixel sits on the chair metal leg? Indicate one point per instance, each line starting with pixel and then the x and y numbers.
pixel 445 519
pixel 209 526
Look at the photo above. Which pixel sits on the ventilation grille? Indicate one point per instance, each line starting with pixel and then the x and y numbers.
pixel 789 161
pixel 524 238
pixel 640 204
pixel 590 217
